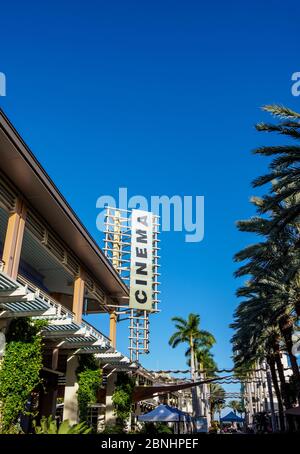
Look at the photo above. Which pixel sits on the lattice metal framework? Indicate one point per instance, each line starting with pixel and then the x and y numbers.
pixel 117 248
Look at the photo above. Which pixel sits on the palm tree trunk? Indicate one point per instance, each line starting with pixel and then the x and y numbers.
pixel 282 380
pixel 286 328
pixel 211 405
pixel 200 388
pixel 193 376
pixel 271 362
pixel 192 359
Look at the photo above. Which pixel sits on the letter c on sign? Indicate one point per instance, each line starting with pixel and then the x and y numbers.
pixel 139 299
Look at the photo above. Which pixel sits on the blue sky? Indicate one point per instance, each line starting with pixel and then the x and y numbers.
pixel 91 85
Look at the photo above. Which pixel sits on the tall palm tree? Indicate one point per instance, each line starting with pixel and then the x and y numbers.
pixel 256 340
pixel 206 367
pixel 274 268
pixel 188 332
pixel 266 318
pixel 219 407
pixel 240 408
pixel 204 359
pixel 234 405
pixel 284 168
pixel 217 399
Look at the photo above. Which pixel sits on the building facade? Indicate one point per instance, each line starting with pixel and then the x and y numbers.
pixel 52 269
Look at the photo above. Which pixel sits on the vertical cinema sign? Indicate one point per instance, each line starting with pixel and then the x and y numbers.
pixel 141 262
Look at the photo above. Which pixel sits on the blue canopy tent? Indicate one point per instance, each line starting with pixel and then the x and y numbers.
pixel 164 413
pixel 232 417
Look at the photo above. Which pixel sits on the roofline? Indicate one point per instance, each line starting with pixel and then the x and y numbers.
pixel 48 188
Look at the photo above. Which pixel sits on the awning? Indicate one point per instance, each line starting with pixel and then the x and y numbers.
pixel 231 417
pixel 115 360
pixel 62 330
pixel 294 411
pixel 7 284
pixel 164 413
pixel 144 392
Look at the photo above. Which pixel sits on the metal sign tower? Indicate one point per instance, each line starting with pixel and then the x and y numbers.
pixel 131 244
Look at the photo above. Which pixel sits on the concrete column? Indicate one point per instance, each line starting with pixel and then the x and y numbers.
pixel 113 318
pixel 13 239
pixel 78 296
pixel 4 324
pixel 110 417
pixel 71 388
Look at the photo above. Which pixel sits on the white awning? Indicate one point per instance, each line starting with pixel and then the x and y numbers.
pixel 62 329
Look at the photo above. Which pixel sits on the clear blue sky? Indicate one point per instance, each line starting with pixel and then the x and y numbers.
pixel 92 84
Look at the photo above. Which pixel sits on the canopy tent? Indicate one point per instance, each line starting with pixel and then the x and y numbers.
pixel 146 392
pixel 231 417
pixel 294 411
pixel 164 413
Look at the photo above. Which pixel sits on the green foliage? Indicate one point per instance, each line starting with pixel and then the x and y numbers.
pixel 270 307
pixel 20 369
pixel 215 426
pixel 189 331
pixel 123 396
pixel 163 428
pixel 89 382
pixel 49 426
pixel 113 429
pixel 198 340
pixel 234 405
pixel 217 398
pixel 152 428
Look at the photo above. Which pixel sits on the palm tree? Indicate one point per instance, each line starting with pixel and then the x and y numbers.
pixel 274 266
pixel 220 406
pixel 284 169
pixel 205 366
pixel 204 360
pixel 217 399
pixel 189 332
pixel 266 318
pixel 240 408
pixel 234 405
pixel 255 340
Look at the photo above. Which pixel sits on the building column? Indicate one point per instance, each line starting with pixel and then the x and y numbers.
pixel 4 325
pixel 110 417
pixel 78 297
pixel 71 388
pixel 13 239
pixel 113 318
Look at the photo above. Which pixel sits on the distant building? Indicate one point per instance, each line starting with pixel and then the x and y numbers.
pixel 256 392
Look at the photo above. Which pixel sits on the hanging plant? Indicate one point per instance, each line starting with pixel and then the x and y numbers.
pixel 89 381
pixel 20 369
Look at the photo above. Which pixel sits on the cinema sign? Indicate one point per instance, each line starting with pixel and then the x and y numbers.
pixel 141 262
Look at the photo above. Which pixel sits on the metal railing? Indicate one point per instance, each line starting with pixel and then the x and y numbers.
pixel 61 311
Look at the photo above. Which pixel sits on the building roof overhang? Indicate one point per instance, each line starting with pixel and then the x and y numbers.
pixel 25 172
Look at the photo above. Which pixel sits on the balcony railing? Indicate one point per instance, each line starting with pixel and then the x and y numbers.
pixel 62 312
